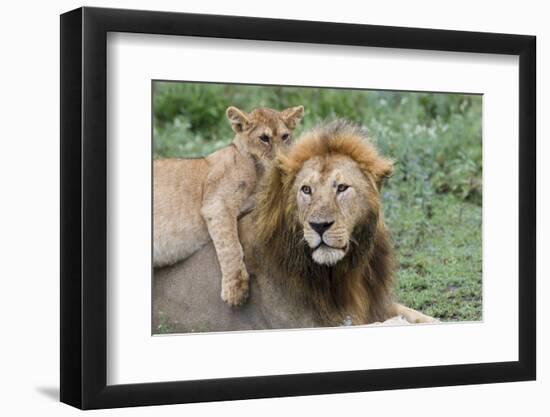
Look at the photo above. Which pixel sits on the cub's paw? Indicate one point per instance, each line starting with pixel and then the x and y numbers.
pixel 235 289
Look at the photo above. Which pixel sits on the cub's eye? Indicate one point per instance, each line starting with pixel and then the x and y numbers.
pixel 264 138
pixel 342 187
pixel 306 189
pixel 285 137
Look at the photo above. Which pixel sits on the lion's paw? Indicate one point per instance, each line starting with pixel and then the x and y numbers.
pixel 423 318
pixel 235 289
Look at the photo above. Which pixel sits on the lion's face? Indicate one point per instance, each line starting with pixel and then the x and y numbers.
pixel 333 195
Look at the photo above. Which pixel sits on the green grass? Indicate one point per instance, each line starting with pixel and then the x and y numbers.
pixel 439 257
pixel 432 204
pixel 164 326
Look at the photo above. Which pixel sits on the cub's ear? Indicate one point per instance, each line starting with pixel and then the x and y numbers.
pixel 292 116
pixel 238 118
pixel 383 170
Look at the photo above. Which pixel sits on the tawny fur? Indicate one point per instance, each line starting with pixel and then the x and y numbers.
pixel 198 200
pixel 358 286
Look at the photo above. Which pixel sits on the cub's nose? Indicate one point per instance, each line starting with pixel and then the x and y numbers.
pixel 320 228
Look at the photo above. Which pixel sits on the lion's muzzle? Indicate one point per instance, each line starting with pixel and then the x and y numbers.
pixel 329 242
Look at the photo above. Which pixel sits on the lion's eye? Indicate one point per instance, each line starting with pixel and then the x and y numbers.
pixel 285 137
pixel 342 187
pixel 306 189
pixel 264 138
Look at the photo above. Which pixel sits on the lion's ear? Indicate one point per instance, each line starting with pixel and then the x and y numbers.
pixel 292 116
pixel 238 118
pixel 383 170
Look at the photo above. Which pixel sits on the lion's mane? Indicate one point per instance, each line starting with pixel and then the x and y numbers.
pixel 360 285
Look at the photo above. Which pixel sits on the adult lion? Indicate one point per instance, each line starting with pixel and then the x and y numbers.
pixel 316 244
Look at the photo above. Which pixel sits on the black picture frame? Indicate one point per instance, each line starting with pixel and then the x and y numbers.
pixel 84 207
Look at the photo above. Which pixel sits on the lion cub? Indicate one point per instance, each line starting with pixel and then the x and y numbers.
pixel 198 200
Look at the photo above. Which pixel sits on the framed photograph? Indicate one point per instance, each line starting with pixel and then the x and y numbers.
pixel 257 208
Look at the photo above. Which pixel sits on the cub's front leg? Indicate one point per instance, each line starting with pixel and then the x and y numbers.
pixel 222 227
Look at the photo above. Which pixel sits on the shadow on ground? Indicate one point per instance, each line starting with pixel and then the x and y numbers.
pixel 50 392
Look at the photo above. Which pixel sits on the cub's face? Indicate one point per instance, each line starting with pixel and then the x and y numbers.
pixel 263 132
pixel 333 197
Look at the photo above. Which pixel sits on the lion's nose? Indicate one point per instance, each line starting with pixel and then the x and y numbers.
pixel 320 228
